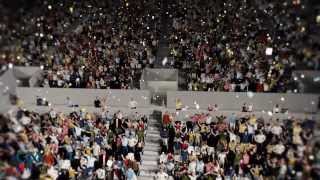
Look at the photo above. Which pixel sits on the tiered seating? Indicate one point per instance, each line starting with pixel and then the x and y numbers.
pixel 241 45
pixel 83 44
pixel 207 147
pixel 79 145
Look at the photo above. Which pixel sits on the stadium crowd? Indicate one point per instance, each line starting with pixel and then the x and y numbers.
pixel 220 45
pixel 79 145
pixel 203 146
pixel 242 45
pixel 82 44
pixel 233 46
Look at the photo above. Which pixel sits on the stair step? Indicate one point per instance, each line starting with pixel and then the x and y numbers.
pixel 152 144
pixel 153 128
pixel 154 135
pixel 150 124
pixel 149 163
pixel 145 177
pixel 150 158
pixel 150 153
pixel 152 148
pixel 153 120
pixel 153 131
pixel 152 140
pixel 149 168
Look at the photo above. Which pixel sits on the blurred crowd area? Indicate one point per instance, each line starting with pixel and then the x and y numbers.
pixel 220 45
pixel 239 146
pixel 244 45
pixel 87 44
pixel 78 145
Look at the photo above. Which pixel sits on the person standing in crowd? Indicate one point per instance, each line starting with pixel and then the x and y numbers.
pixel 70 146
pixel 238 146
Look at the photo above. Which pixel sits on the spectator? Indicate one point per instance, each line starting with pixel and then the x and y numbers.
pixel 234 147
pixel 69 146
pixel 97 103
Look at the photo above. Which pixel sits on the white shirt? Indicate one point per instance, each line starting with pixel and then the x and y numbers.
pixel 250 129
pixel 130 156
pixel 69 102
pixel 78 131
pixel 53 173
pixel 119 115
pixel 276 130
pixel 192 167
pixel 232 137
pixel 132 104
pixel 163 158
pixel 200 166
pixel 162 176
pixel 125 141
pixel 26 174
pixel 191 149
pixel 109 164
pixel 193 177
pixel 25 120
pixel 90 161
pixel 260 138
pixel 64 164
pixel 283 170
pixel 60 82
pixel 96 150
pixel 209 120
pixel 222 156
pixel 170 166
pixel 101 173
pixel 132 142
pixel 279 148
pixel 53 114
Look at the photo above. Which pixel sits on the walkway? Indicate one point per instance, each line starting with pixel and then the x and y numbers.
pixel 150 157
pixel 163 49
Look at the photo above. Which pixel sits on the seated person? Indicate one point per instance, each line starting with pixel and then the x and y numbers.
pixel 97 103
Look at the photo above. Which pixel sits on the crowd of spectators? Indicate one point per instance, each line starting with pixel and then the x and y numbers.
pixel 204 146
pixel 82 44
pixel 243 45
pixel 79 145
pixel 220 45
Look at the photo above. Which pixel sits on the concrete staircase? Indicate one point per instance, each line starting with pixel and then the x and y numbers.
pixel 150 157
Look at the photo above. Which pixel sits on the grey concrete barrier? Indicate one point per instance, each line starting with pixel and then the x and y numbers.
pixel 234 101
pixel 84 97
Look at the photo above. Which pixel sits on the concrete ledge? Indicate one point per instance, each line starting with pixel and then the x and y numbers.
pixel 233 101
pixel 84 97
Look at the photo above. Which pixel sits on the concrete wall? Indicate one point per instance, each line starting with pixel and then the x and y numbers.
pixel 162 85
pixel 234 101
pixel 84 97
pixel 159 79
pixel 185 115
pixel 64 109
pixel 160 74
